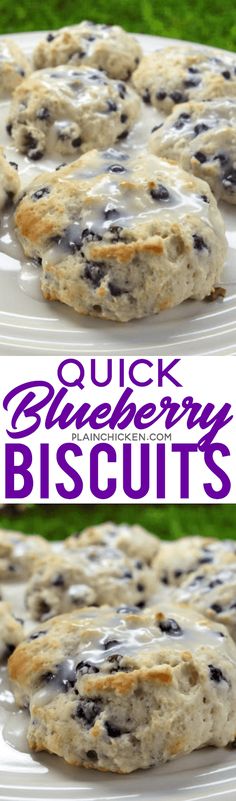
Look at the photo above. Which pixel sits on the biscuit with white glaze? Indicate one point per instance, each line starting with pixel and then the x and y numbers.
pixel 184 72
pixel 87 576
pixel 122 236
pixel 119 690
pixel 105 47
pixel 70 110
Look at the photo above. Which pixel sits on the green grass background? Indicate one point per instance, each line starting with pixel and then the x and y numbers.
pixel 212 22
pixel 168 521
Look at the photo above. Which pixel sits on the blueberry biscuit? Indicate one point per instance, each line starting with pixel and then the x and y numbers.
pixel 121 236
pixel 14 67
pixel 11 632
pixel 70 111
pixel 201 137
pixel 19 554
pixel 175 560
pixel 87 576
pixel 135 541
pixel 9 181
pixel 108 48
pixel 212 590
pixel 120 690
pixel 182 72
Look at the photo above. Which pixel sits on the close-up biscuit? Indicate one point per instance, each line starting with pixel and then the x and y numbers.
pixel 121 236
pixel 185 72
pixel 119 690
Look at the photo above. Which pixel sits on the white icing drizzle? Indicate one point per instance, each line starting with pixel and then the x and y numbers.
pixel 29 274
pixel 132 637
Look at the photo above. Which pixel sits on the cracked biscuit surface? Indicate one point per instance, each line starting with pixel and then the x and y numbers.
pixel 119 690
pixel 69 111
pixel 122 236
pixel 108 48
pixel 181 72
pixel 201 137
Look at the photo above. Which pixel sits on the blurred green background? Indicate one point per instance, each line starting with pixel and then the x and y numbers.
pixel 168 521
pixel 197 20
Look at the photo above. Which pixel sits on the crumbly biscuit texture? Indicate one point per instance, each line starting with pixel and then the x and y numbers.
pixel 183 72
pixel 108 48
pixel 11 632
pixel 87 576
pixel 119 690
pixel 9 181
pixel 135 541
pixel 201 137
pixel 122 236
pixel 70 110
pixel 19 554
pixel 14 67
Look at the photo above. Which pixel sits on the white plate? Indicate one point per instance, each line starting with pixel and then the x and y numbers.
pixel 201 776
pixel 29 325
